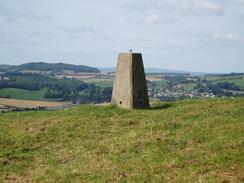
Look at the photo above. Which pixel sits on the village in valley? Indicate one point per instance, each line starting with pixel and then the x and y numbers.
pixel 178 86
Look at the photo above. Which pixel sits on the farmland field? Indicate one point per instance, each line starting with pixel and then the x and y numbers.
pixel 23 94
pixel 189 86
pixel 159 83
pixel 219 77
pixel 237 81
pixel 30 103
pixel 104 84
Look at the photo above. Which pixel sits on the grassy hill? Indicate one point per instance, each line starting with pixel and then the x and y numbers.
pixel 184 141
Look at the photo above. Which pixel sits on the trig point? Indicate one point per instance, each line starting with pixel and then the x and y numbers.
pixel 130 87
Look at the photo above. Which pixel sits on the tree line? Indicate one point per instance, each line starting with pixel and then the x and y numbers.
pixel 66 89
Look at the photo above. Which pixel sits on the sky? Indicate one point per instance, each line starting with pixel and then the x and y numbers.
pixel 190 35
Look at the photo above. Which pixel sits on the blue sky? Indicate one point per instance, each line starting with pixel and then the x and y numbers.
pixel 192 35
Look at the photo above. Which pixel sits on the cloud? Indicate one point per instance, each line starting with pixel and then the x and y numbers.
pixel 216 38
pixel 158 19
pixel 21 14
pixel 138 39
pixel 152 19
pixel 17 42
pixel 79 29
pixel 240 2
pixel 174 48
pixel 75 31
pixel 233 37
pixel 206 7
pixel 104 38
pixel 73 37
pixel 177 7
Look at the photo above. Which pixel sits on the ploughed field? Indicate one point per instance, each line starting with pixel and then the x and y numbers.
pixel 6 104
pixel 185 141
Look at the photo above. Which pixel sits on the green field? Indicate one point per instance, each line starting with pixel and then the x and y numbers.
pixel 184 141
pixel 219 77
pixel 188 86
pixel 104 84
pixel 237 81
pixel 212 78
pixel 159 84
pixel 23 94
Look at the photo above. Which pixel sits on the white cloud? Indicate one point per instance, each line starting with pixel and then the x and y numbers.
pixel 160 18
pixel 22 13
pixel 209 7
pixel 228 37
pixel 139 39
pixel 152 19
pixel 218 38
pixel 177 7
pixel 241 2
pixel 79 29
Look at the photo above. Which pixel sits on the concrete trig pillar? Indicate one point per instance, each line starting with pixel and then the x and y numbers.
pixel 130 87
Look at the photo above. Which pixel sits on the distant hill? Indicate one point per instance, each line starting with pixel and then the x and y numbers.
pixel 5 68
pixel 202 139
pixel 54 67
pixel 57 67
pixel 154 70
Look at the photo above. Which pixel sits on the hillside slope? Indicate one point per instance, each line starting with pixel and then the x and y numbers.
pixel 185 141
pixel 41 66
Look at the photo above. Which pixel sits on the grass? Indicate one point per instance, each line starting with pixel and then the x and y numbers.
pixel 159 84
pixel 212 78
pixel 237 81
pixel 104 84
pixel 23 94
pixel 189 86
pixel 185 141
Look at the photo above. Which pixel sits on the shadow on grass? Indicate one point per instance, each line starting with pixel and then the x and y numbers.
pixel 160 106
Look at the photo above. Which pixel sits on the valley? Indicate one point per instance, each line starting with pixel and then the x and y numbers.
pixel 48 82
